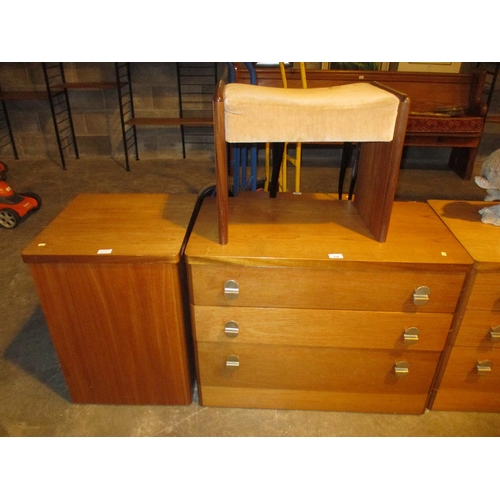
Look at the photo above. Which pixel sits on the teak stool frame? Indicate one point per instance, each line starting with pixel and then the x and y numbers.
pixel 378 170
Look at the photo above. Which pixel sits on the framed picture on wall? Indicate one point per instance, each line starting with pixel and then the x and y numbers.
pixel 356 66
pixel 438 67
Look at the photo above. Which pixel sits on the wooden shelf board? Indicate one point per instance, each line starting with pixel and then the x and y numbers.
pixel 493 119
pixel 86 85
pixel 169 121
pixel 23 95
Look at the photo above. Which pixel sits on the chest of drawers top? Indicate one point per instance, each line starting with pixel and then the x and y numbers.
pixel 321 231
pixel 115 227
pixel 482 241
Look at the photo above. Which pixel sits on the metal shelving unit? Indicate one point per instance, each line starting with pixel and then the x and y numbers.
pixel 6 134
pixel 58 91
pixel 126 103
pixel 60 108
pixel 196 84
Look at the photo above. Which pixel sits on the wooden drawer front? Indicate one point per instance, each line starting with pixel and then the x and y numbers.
pixel 324 328
pixel 463 388
pixel 485 294
pixel 310 368
pixel 479 329
pixel 250 397
pixel 354 288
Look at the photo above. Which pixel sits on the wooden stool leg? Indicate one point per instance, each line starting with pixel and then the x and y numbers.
pixel 221 169
pixel 462 162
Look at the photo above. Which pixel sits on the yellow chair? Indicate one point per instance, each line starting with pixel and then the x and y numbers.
pixel 370 114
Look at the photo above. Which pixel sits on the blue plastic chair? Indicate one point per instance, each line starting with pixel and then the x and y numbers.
pixel 240 152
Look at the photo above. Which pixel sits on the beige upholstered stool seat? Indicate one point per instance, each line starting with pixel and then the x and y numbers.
pixel 370 114
pixel 357 112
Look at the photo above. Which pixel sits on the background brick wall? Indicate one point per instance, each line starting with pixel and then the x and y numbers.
pixel 31 120
pixel 95 113
pixel 97 121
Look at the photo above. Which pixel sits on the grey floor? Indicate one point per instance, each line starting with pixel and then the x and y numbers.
pixel 33 396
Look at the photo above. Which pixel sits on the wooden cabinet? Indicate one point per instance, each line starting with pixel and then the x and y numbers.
pixel 469 379
pixel 303 309
pixel 110 278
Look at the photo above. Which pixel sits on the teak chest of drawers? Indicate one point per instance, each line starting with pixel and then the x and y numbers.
pixel 303 309
pixel 470 376
pixel 111 283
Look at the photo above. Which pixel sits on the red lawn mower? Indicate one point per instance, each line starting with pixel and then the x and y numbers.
pixel 14 207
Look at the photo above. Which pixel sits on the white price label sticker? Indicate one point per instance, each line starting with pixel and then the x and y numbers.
pixel 335 256
pixel 104 250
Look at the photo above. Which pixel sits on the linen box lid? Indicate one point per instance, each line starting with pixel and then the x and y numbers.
pixel 113 227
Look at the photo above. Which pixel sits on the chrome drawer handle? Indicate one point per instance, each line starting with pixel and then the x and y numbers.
pixel 401 368
pixel 484 367
pixel 231 289
pixel 232 362
pixel 410 336
pixel 495 333
pixel 231 329
pixel 421 295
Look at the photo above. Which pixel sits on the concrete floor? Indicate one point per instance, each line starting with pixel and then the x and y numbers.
pixel 33 396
